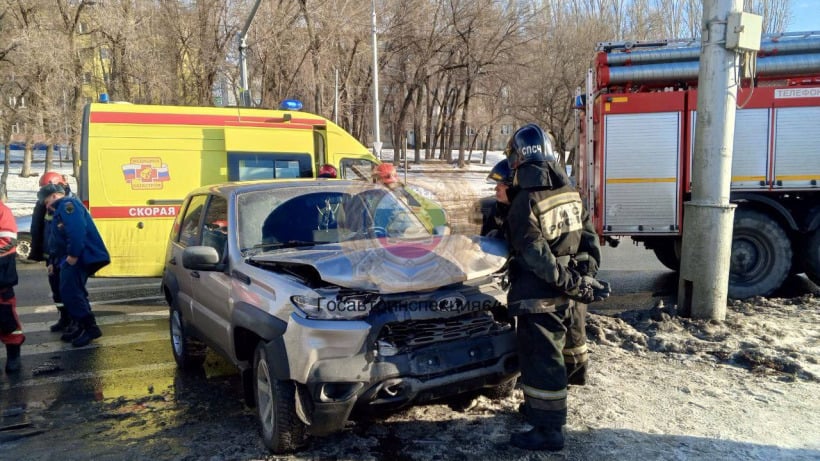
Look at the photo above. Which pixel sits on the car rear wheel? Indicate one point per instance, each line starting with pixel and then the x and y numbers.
pixel 189 353
pixel 281 429
pixel 761 255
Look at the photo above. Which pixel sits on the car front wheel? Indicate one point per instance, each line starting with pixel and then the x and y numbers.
pixel 189 353
pixel 282 430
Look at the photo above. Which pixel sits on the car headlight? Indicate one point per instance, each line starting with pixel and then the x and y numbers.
pixel 332 307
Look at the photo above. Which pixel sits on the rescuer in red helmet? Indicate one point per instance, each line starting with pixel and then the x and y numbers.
pixel 328 171
pixel 11 333
pixel 40 222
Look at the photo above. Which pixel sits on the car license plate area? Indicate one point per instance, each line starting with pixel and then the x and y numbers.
pixel 446 356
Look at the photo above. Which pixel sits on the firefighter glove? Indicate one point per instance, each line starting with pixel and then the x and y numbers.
pixel 590 290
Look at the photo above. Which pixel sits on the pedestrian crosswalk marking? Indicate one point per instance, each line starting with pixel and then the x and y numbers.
pixel 75 376
pixel 44 309
pixel 102 320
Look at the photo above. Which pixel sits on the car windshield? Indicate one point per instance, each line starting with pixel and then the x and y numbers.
pixel 301 216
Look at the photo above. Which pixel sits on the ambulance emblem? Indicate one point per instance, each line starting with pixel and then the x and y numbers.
pixel 145 173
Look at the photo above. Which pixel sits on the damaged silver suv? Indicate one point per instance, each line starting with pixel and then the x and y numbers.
pixel 334 301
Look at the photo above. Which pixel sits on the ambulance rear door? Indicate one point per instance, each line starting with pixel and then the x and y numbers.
pixel 135 172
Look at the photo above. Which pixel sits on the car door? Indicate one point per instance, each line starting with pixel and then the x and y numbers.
pixel 211 289
pixel 186 234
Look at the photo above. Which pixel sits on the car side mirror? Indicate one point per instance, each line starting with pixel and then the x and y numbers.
pixel 201 258
pixel 441 230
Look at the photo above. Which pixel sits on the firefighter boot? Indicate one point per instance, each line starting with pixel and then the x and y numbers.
pixel 12 358
pixel 539 438
pixel 71 331
pixel 90 332
pixel 61 324
pixel 578 375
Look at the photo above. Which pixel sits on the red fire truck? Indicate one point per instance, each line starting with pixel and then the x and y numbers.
pixel 636 123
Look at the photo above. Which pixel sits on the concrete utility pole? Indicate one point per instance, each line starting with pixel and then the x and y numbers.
pixel 244 92
pixel 708 217
pixel 377 143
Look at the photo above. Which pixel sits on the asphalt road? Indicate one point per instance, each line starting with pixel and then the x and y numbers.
pixel 127 380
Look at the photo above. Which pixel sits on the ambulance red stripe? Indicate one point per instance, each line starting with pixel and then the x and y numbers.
pixel 139 118
pixel 147 212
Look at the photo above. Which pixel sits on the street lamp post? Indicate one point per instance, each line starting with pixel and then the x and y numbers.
pixel 377 143
pixel 245 93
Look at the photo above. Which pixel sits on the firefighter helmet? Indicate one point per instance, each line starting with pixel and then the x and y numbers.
pixel 529 144
pixel 501 173
pixel 327 171
pixel 385 173
pixel 52 177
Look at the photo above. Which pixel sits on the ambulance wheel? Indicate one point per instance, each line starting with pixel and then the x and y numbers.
pixel 761 255
pixel 189 352
pixel 811 257
pixel 23 248
pixel 281 429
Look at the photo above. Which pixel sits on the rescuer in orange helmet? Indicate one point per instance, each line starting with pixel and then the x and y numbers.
pixel 328 171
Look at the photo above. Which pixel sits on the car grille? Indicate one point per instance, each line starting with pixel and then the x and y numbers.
pixel 415 333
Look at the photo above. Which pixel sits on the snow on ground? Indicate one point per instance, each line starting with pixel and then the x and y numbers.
pixel 22 191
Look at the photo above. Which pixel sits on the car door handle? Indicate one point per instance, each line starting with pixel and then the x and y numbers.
pixel 195 274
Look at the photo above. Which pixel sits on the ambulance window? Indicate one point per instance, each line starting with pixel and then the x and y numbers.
pixel 190 223
pixel 248 167
pixel 351 166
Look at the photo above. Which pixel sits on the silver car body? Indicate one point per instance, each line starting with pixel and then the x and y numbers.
pixel 357 312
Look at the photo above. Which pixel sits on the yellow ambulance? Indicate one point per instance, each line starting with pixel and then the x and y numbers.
pixel 139 161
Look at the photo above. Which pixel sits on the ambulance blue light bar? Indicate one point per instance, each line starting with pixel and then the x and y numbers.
pixel 290 104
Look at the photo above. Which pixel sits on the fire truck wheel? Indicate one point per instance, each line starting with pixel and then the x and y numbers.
pixel 761 255
pixel 668 253
pixel 811 261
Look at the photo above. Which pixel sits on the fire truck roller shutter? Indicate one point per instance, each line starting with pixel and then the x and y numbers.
pixel 796 141
pixel 761 255
pixel 645 199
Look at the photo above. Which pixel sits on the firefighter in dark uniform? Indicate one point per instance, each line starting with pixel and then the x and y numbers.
pixel 40 220
pixel 78 249
pixel 586 261
pixel 548 227
pixel 11 333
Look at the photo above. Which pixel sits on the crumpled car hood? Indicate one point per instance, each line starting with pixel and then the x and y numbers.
pixel 393 266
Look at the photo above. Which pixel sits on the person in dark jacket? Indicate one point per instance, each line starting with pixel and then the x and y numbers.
pixel 548 227
pixel 11 332
pixel 79 251
pixel 40 220
pixel 494 222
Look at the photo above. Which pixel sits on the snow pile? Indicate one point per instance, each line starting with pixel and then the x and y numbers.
pixel 762 335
